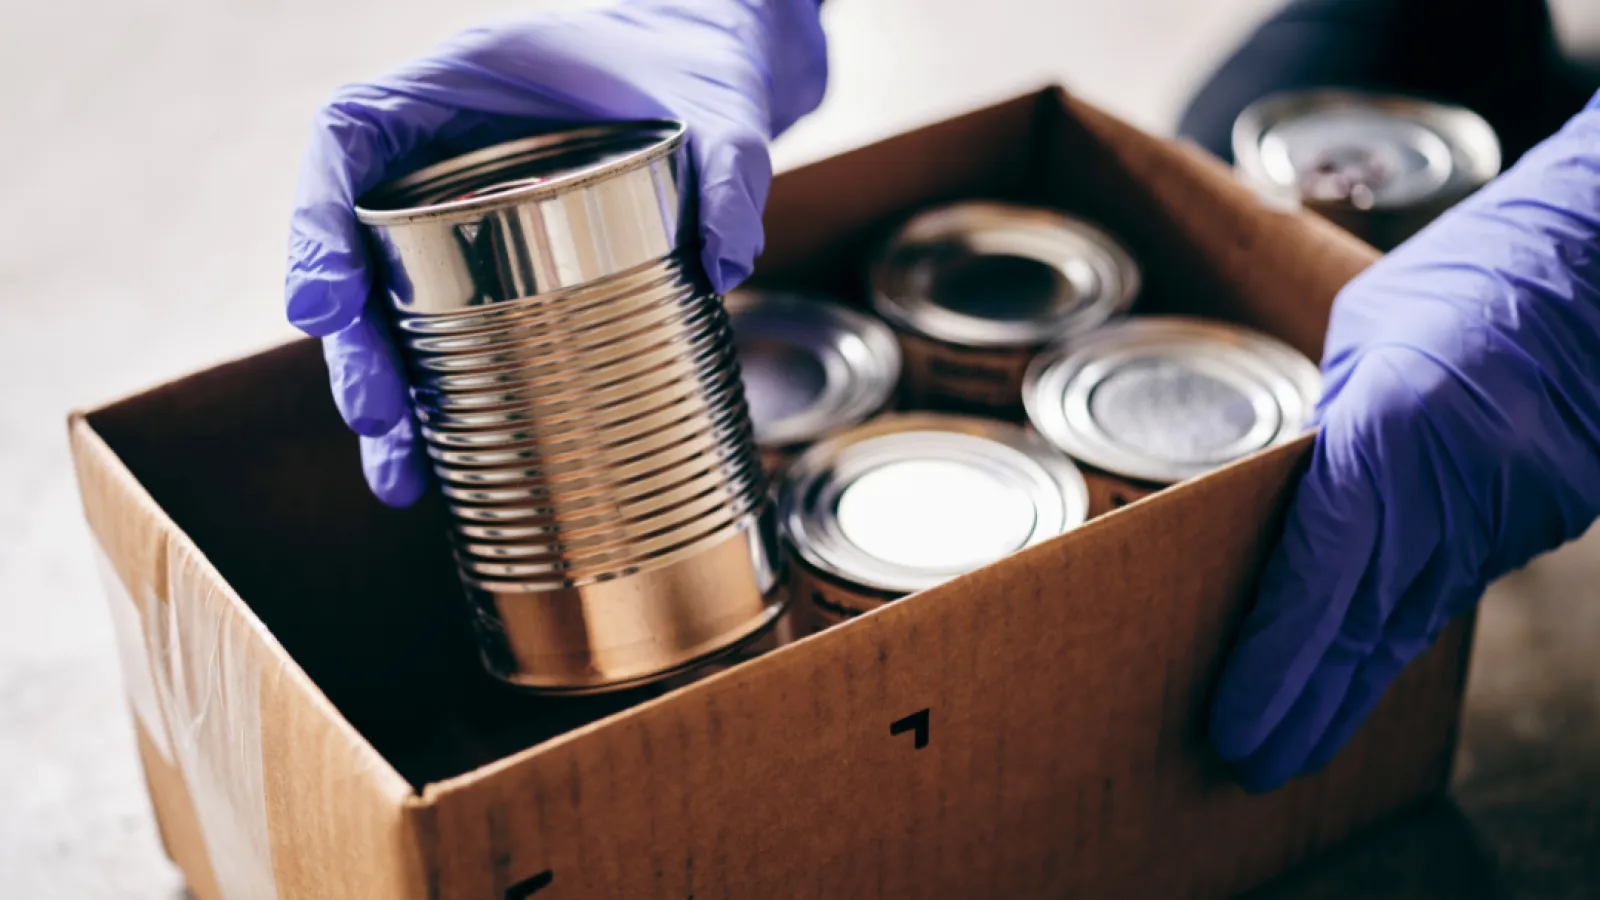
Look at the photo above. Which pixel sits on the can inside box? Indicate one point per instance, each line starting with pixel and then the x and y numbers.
pixel 365 599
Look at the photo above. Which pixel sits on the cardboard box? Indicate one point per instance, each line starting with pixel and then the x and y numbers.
pixel 313 721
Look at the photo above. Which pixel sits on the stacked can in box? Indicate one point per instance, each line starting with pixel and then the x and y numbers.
pixel 1031 402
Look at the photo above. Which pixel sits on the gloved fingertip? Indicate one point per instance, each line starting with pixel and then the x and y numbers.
pixel 735 173
pixel 731 250
pixel 1260 779
pixel 364 373
pixel 326 286
pixel 404 491
pixel 726 274
pixel 311 308
pixel 1234 733
pixel 370 426
pixel 395 466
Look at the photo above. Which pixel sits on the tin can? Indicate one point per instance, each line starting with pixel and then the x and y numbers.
pixel 787 629
pixel 811 367
pixel 975 289
pixel 1380 166
pixel 908 501
pixel 1157 400
pixel 575 384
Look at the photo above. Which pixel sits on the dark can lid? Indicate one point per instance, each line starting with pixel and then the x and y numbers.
pixel 983 274
pixel 1164 399
pixel 810 366
pixel 908 501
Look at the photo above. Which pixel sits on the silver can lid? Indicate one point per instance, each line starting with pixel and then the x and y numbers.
pixel 909 501
pixel 981 274
pixel 1367 151
pixel 520 171
pixel 810 366
pixel 1167 398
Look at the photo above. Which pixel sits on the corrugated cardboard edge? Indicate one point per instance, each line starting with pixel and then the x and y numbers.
pixel 253 748
pixel 628 802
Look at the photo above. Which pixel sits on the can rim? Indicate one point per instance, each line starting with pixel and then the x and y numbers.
pixel 391 202
pixel 1281 384
pixel 1075 238
pixel 1474 147
pixel 810 490
pixel 859 385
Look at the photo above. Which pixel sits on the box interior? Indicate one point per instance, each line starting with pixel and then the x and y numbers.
pixel 364 598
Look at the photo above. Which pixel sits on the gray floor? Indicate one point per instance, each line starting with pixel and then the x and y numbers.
pixel 149 154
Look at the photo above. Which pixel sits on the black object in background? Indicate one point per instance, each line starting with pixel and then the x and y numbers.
pixel 1497 57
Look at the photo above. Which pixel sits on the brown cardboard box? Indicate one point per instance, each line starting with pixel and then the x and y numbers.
pixel 313 721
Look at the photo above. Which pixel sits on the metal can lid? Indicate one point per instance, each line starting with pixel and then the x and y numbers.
pixel 1167 398
pixel 909 501
pixel 810 366
pixel 984 274
pixel 1367 151
pixel 521 170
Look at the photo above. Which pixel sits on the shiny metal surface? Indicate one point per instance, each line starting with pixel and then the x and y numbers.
pixel 811 366
pixel 1162 399
pixel 1381 165
pixel 577 389
pixel 654 624
pixel 909 501
pixel 982 274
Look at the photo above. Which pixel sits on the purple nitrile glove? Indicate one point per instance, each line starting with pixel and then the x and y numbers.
pixel 1460 438
pixel 737 72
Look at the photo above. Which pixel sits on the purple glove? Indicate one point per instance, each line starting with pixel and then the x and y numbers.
pixel 738 72
pixel 1460 438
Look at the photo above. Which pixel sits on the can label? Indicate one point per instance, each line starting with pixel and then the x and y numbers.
pixel 821 602
pixel 939 374
pixel 1108 493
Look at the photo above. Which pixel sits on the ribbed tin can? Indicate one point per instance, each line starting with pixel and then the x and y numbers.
pixel 575 383
pixel 1378 165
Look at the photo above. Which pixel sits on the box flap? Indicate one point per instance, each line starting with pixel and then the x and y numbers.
pixel 1221 251
pixel 230 714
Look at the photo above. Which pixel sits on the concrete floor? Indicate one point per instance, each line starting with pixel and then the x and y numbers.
pixel 149 156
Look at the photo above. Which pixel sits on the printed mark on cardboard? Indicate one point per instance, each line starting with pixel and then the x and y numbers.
pixel 917 724
pixel 527 887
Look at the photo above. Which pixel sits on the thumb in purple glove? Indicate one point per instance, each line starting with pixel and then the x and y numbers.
pixel 737 72
pixel 1460 438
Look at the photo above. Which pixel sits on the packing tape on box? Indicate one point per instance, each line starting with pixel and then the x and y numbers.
pixel 138 679
pixel 194 682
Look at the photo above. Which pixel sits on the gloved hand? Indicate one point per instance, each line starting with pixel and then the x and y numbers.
pixel 737 72
pixel 1460 438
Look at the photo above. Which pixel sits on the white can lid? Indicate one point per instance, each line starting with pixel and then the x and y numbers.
pixel 910 501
